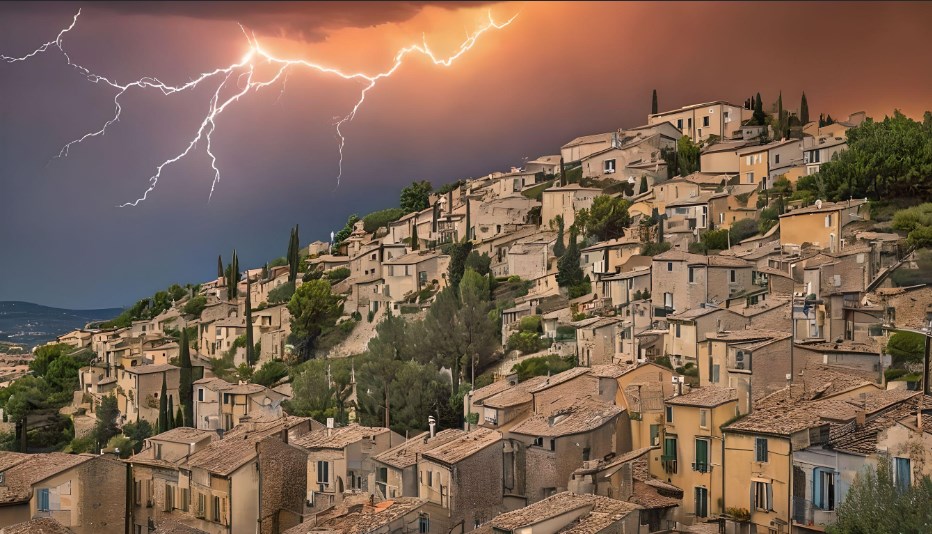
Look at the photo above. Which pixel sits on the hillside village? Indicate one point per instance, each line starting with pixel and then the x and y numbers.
pixel 690 325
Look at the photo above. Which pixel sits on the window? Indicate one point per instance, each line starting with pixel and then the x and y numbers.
pixel 669 266
pixel 749 176
pixel 679 124
pixel 760 449
pixel 669 414
pixel 669 455
pixel 732 275
pixel 585 454
pixel 169 498
pixel 608 166
pixel 323 472
pixel 702 502
pixel 702 456
pixel 137 492
pixel 715 374
pixel 828 220
pixel 747 160
pixel 823 489
pixel 654 435
pixel 42 497
pixel 158 451
pixel 762 494
pixel 721 218
pixel 705 121
pixel 201 505
pixel 902 473
pixel 668 300
pixel 226 398
pixel 677 329
pixel 215 509
pixel 423 524
pixel 703 418
pixel 200 394
pixel 776 158
pixel 430 479
pixel 689 123
pixel 539 442
pixel 184 499
pixel 692 275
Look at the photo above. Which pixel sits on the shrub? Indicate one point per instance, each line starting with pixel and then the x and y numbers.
pixel 526 342
pixel 893 374
pixel 530 324
pixel 282 293
pixel 338 274
pixel 378 219
pixel 743 229
pixel 652 249
pixel 542 365
pixel 566 332
pixel 270 373
pixel 195 306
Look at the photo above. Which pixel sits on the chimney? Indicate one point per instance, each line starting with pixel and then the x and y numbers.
pixel 432 423
pixel 859 417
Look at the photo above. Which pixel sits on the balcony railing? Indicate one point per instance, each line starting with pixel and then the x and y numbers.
pixel 669 463
pixel 702 467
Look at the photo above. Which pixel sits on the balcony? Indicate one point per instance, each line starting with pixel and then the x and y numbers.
pixel 806 513
pixel 702 467
pixel 668 463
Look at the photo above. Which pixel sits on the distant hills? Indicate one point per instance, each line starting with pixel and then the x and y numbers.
pixel 28 324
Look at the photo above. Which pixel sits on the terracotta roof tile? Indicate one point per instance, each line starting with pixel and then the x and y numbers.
pixel 464 446
pixel 584 415
pixel 23 473
pixel 405 455
pixel 707 397
pixel 338 438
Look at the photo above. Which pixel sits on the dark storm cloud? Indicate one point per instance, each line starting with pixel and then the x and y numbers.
pixel 308 21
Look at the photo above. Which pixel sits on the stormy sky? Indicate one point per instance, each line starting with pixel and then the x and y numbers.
pixel 560 70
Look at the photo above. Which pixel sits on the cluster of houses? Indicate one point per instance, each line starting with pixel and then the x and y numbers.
pixel 737 392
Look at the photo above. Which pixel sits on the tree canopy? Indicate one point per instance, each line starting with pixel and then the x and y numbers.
pixel 313 309
pixel 874 504
pixel 416 196
pixel 606 219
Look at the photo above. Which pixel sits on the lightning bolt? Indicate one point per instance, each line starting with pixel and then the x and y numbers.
pixel 224 96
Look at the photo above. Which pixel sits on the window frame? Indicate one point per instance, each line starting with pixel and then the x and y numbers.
pixel 761 450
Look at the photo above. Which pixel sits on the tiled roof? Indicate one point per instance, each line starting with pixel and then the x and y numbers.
pixel 169 526
pixel 223 457
pixel 492 389
pixel 23 473
pixel 826 207
pixel 405 455
pixel 267 428
pixel 650 497
pixel 516 395
pixel 147 369
pixel 39 525
pixel 587 139
pixel 464 446
pixel 584 415
pixel 214 384
pixel 184 434
pixel 368 518
pixel 559 378
pixel 862 439
pixel 603 511
pixel 611 370
pixel 706 397
pixel 338 438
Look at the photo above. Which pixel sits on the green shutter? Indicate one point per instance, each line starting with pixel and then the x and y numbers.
pixel 702 455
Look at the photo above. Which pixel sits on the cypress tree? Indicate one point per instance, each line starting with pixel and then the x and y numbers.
pixel 179 418
pixel 562 172
pixel 414 238
pixel 163 408
pixel 569 273
pixel 804 110
pixel 185 388
pixel 559 248
pixel 171 410
pixel 219 266
pixel 781 120
pixel 291 274
pixel 653 103
pixel 468 221
pixel 250 348
pixel 759 117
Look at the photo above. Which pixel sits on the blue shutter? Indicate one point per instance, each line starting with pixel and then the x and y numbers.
pixel 817 488
pixel 902 473
pixel 43 500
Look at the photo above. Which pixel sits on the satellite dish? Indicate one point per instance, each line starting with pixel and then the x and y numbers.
pixel 818 204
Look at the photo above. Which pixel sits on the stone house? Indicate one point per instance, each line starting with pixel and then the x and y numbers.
pixel 462 481
pixel 634 146
pixel 692 456
pixel 556 443
pixel 340 460
pixel 821 224
pixel 220 405
pixel 598 341
pixel 360 513
pixel 681 281
pixel 566 201
pixel 562 389
pixel 138 390
pixel 396 469
pixel 545 164
pixel 585 145
pixel 700 121
pixel 821 149
pixel 754 362
pixel 492 218
pixel 722 157
pixel 406 275
pixel 609 256
pixel 82 492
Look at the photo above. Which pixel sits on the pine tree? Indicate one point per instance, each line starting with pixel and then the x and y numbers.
pixel 653 103
pixel 163 407
pixel 171 410
pixel 250 347
pixel 186 385
pixel 803 110
pixel 219 266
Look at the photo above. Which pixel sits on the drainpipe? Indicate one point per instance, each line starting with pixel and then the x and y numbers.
pixel 230 503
